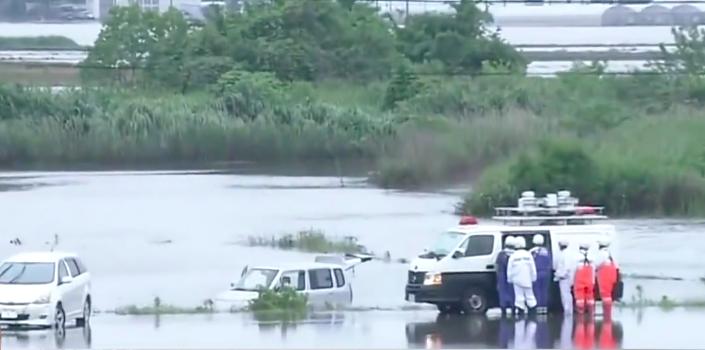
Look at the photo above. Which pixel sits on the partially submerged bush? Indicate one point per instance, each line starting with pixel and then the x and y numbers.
pixel 312 241
pixel 281 304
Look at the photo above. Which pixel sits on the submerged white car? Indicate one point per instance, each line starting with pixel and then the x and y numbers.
pixel 44 289
pixel 324 281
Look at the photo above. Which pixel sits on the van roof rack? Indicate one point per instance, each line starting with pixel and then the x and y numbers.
pixel 554 209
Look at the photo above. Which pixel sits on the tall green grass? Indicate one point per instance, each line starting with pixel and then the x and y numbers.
pixel 641 136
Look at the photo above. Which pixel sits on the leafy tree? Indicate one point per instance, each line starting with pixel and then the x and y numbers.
pixel 166 62
pixel 461 41
pixel 124 41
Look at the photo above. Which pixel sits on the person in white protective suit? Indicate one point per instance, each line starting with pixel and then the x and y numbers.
pixel 521 272
pixel 565 272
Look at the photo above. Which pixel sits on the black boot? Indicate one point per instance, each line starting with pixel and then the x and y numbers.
pixel 532 312
pixel 504 312
pixel 520 313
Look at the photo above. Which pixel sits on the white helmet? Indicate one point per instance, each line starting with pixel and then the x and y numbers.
pixel 603 242
pixel 537 240
pixel 563 242
pixel 585 246
pixel 509 242
pixel 519 242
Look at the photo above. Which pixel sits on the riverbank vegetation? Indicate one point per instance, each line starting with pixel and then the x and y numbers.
pixel 438 100
pixel 51 42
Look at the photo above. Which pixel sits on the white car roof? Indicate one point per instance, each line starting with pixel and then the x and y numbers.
pixel 40 257
pixel 298 266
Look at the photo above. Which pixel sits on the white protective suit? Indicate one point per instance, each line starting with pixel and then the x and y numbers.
pixel 565 275
pixel 521 272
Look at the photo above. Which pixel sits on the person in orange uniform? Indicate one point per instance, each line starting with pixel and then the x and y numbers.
pixel 607 271
pixel 584 285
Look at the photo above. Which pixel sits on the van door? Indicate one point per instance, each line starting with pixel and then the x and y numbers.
pixel 475 255
pixel 321 287
pixel 343 290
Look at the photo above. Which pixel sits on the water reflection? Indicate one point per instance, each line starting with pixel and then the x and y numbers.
pixel 60 338
pixel 328 320
pixel 535 333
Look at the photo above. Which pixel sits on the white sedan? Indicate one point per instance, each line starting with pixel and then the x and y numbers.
pixel 44 289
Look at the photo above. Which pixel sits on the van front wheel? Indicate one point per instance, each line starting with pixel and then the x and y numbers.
pixel 448 308
pixel 474 302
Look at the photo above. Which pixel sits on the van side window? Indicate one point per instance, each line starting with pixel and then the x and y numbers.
pixel 339 278
pixel 480 245
pixel 320 278
pixel 294 279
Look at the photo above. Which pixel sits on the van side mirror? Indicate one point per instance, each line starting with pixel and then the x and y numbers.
pixel 66 279
pixel 244 271
pixel 458 254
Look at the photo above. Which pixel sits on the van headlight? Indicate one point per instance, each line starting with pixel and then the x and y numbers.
pixel 44 299
pixel 432 279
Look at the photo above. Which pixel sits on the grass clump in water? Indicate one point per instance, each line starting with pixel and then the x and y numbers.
pixel 310 241
pixel 165 309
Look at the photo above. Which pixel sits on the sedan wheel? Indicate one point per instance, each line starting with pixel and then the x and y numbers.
pixel 86 315
pixel 59 317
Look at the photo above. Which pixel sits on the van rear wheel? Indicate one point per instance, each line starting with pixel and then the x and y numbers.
pixel 474 302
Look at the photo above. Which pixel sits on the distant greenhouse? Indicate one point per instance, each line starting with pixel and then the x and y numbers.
pixel 619 15
pixel 686 15
pixel 655 15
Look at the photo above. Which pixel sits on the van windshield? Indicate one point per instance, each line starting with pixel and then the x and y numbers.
pixel 26 273
pixel 256 279
pixel 446 243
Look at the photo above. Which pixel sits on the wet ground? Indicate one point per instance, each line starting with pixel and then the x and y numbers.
pixel 627 329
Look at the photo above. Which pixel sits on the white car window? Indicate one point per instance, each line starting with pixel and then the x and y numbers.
pixel 62 271
pixel 26 273
pixel 73 267
pixel 256 279
pixel 294 279
pixel 320 278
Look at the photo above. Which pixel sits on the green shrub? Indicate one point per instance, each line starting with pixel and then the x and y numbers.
pixel 282 304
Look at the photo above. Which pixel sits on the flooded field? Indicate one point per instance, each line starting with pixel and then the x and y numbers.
pixel 178 235
pixel 650 330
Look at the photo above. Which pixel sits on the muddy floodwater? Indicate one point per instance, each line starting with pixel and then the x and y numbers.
pixel 412 329
pixel 177 235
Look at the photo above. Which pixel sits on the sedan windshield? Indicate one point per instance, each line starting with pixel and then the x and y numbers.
pixel 256 279
pixel 26 273
pixel 446 243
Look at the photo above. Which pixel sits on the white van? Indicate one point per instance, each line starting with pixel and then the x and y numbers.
pixel 323 281
pixel 458 272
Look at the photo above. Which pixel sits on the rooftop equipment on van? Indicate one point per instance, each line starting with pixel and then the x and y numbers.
pixel 554 209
